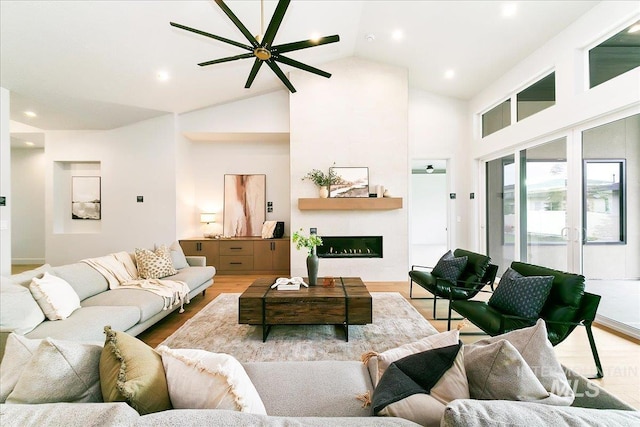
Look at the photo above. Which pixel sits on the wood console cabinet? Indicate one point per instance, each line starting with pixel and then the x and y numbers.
pixel 243 255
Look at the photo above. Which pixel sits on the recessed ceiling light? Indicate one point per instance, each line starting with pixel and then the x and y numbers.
pixel 370 37
pixel 397 35
pixel 509 9
pixel 29 143
pixel 449 74
pixel 634 28
pixel 30 114
pixel 162 76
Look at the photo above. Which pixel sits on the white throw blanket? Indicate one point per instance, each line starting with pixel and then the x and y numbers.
pixel 121 273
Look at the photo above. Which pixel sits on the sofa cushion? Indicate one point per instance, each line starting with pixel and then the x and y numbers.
pixel 154 264
pixel 60 371
pixel 419 386
pixel 87 323
pixel 55 296
pixel 147 302
pixel 312 388
pixel 194 277
pixel 379 362
pixel 24 278
pixel 449 267
pixel 177 256
pixel 478 413
pixel 474 270
pixel 17 354
pixel 519 295
pixel 83 278
pixel 68 414
pixel 19 312
pixel 190 371
pixel 132 372
pixel 536 350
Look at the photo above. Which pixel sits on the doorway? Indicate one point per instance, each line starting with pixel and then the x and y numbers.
pixel 428 223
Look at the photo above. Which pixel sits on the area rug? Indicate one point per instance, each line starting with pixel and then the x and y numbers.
pixel 215 328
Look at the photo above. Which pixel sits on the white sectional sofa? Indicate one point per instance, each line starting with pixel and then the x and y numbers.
pixel 129 310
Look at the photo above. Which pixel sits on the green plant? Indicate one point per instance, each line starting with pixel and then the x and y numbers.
pixel 322 179
pixel 309 243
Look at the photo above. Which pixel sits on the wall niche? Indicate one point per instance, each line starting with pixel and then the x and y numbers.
pixel 63 174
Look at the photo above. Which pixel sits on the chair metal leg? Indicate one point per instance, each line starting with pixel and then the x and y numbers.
pixel 449 319
pixel 435 299
pixel 594 351
pixel 411 292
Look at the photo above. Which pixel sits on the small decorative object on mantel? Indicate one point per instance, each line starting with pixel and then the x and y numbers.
pixel 322 180
pixel 310 243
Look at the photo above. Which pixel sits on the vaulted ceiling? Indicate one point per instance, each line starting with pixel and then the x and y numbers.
pixel 94 64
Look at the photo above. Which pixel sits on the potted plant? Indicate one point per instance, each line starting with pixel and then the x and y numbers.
pixel 310 243
pixel 322 180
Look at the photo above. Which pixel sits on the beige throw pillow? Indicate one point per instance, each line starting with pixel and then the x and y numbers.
pixel 17 353
pixel 190 372
pixel 155 265
pixel 19 312
pixel 55 296
pixel 59 371
pixel 536 350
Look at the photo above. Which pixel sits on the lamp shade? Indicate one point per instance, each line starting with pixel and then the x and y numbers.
pixel 207 217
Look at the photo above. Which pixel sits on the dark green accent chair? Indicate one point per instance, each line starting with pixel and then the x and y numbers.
pixel 566 307
pixel 467 286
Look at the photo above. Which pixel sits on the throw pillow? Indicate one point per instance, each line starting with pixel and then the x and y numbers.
pixel 60 371
pixel 24 278
pixel 449 267
pixel 418 387
pixel 536 350
pixel 379 362
pixel 520 295
pixel 17 353
pixel 19 312
pixel 227 385
pixel 55 296
pixel 154 265
pixel 132 372
pixel 177 256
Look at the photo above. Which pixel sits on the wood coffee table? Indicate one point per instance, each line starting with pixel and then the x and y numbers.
pixel 348 303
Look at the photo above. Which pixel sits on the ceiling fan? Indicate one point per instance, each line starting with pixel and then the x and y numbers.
pixel 261 46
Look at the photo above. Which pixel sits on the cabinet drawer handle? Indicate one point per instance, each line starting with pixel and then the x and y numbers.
pixel 235 263
pixel 236 249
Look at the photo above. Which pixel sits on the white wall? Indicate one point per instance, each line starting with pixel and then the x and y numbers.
pixel 439 129
pixel 135 160
pixel 203 164
pixel 358 117
pixel 27 210
pixel 5 184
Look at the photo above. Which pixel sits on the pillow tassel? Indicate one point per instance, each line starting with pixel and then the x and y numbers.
pixel 462 324
pixel 365 357
pixel 365 398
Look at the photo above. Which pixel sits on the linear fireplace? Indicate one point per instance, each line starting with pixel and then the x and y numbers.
pixel 350 247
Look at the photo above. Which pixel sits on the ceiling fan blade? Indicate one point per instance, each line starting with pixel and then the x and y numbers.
pixel 213 36
pixel 227 59
pixel 237 23
pixel 254 71
pixel 280 75
pixel 302 66
pixel 288 47
pixel 275 22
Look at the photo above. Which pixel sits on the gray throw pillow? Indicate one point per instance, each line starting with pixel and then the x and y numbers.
pixel 521 295
pixel 449 267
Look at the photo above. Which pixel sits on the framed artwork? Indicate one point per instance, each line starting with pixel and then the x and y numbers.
pixel 244 205
pixel 353 182
pixel 85 197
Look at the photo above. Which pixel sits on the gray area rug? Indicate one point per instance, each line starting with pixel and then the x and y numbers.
pixel 215 328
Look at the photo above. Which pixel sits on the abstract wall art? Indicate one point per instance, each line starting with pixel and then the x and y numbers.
pixel 244 205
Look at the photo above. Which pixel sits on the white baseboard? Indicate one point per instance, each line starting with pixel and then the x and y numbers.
pixel 23 261
pixel 618 326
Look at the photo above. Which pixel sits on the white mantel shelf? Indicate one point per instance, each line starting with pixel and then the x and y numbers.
pixel 350 204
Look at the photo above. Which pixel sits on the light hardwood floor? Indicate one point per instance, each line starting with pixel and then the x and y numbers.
pixel 620 356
